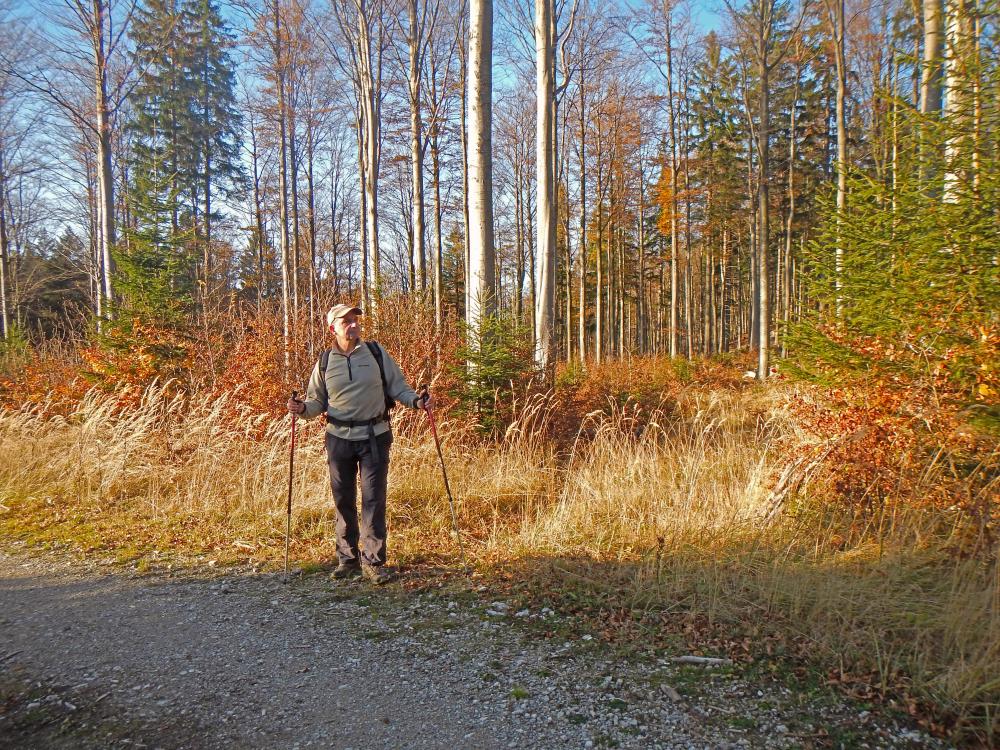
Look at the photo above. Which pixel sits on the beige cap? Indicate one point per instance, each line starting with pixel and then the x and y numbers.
pixel 339 311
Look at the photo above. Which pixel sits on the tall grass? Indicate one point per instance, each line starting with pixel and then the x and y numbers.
pixel 670 513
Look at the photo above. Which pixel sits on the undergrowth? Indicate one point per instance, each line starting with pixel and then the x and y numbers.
pixel 699 510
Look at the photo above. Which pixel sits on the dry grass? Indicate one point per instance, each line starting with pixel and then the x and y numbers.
pixel 674 509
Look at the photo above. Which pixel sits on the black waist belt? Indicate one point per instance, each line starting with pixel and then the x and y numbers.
pixel 354 422
pixel 372 443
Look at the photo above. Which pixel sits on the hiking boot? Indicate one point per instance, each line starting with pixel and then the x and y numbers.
pixel 376 573
pixel 347 570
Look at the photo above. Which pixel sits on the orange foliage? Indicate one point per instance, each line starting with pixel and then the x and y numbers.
pixel 131 357
pixel 647 383
pixel 45 378
pixel 252 370
pixel 241 355
pixel 893 444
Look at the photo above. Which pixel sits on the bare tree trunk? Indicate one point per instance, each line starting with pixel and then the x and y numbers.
pixel 419 253
pixel 544 165
pixel 519 233
pixel 895 132
pixel 257 211
pixel 836 11
pixel 599 313
pixel 293 183
pixel 977 95
pixel 930 76
pixel 465 55
pixel 959 69
pixel 105 181
pixel 763 283
pixel 529 220
pixel 640 313
pixel 786 283
pixel 311 219
pixel 335 222
pixel 673 167
pixel 688 275
pixel 283 187
pixel 4 250
pixel 583 224
pixel 93 220
pixel 482 259
pixel 563 181
pixel 725 330
pixel 438 243
pixel 366 285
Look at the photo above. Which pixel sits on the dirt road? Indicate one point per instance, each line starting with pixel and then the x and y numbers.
pixel 98 658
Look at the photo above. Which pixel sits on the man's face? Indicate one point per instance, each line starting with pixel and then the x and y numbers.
pixel 348 326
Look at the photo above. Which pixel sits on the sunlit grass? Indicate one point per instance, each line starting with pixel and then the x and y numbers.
pixel 675 508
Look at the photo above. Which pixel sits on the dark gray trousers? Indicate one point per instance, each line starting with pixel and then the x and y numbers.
pixel 346 458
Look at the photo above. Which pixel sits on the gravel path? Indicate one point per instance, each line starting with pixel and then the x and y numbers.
pixel 97 659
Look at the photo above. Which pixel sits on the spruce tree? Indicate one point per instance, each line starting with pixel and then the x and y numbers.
pixel 185 131
pixel 216 121
pixel 920 285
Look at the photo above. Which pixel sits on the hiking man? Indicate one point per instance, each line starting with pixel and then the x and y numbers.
pixel 354 384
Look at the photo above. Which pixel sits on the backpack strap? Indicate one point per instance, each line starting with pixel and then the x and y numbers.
pixel 376 351
pixel 324 362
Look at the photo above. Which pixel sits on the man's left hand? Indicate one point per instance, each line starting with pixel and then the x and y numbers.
pixel 424 400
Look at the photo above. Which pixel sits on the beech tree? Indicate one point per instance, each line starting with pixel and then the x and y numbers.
pixel 91 38
pixel 545 167
pixel 482 255
pixel 365 37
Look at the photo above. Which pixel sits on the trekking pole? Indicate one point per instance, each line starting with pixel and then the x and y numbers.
pixel 291 468
pixel 447 487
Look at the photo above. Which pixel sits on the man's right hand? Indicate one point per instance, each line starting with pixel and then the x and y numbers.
pixel 295 406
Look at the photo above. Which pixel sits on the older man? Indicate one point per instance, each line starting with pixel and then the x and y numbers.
pixel 354 383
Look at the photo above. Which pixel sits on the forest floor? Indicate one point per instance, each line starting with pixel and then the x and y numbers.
pixel 94 654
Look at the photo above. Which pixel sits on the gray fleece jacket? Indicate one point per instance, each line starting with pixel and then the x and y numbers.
pixel 355 391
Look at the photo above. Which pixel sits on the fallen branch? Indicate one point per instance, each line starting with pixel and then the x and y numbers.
pixel 704 661
pixel 796 473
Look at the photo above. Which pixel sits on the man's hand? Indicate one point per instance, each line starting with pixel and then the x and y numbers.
pixel 295 406
pixel 424 399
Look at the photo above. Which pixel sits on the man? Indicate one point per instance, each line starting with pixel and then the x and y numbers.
pixel 352 395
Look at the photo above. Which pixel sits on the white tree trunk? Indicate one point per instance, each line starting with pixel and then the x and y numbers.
pixel 836 11
pixel 419 254
pixel 4 250
pixel 930 77
pixel 105 184
pixel 482 259
pixel 545 167
pixel 371 112
pixel 763 277
pixel 674 229
pixel 959 48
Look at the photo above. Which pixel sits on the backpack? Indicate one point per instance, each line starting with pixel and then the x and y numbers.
pixel 376 350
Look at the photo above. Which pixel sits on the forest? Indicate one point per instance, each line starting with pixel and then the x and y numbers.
pixel 708 296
